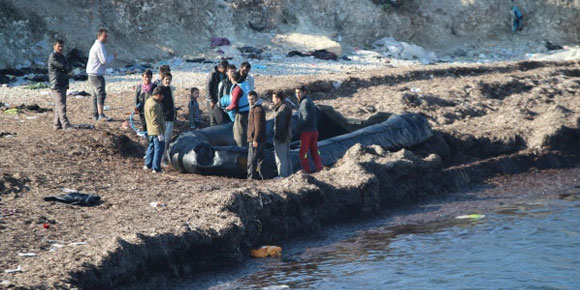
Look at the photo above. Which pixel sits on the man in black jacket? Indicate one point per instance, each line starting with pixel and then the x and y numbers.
pixel 213 80
pixel 58 69
pixel 282 134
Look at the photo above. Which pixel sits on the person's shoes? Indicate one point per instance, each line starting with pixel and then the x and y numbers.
pixel 103 117
pixel 146 168
pixel 56 128
pixel 156 171
pixel 69 128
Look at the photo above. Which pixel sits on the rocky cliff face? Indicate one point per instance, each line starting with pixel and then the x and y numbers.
pixel 149 30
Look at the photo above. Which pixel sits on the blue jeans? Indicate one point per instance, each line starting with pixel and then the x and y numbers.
pixel 154 153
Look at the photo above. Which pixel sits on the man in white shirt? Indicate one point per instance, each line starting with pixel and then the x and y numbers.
pixel 99 58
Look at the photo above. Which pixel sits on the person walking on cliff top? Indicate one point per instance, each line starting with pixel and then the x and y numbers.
pixel 256 136
pixel 282 134
pixel 156 126
pixel 213 80
pixel 58 69
pixel 518 18
pixel 97 64
pixel 308 128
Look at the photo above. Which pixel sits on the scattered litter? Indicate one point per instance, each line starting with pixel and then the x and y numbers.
pixel 12 111
pixel 8 211
pixel 125 125
pixel 37 86
pixel 551 46
pixel 219 41
pixel 7 134
pixel 266 251
pixel 473 216
pixel 106 108
pixel 78 93
pixel 320 54
pixel 196 60
pixel 157 204
pixel 259 66
pixel 296 53
pixel 336 84
pixel 18 269
pixel 77 244
pixel 55 247
pixel 415 90
pixel 76 198
pixel 45 226
pixel 6 284
pixel 27 254
pixel 324 54
pixel 251 52
pixel 32 117
pixel 76 58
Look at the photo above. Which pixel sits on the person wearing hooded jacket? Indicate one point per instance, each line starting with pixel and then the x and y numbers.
pixel 308 128
pixel 58 68
pixel 212 83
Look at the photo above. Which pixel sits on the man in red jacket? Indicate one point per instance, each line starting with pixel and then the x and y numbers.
pixel 256 136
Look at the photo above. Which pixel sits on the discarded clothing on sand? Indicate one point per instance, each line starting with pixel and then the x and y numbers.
pixel 251 52
pixel 76 58
pixel 320 54
pixel 219 41
pixel 76 198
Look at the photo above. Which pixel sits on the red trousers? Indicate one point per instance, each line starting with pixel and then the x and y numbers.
pixel 309 143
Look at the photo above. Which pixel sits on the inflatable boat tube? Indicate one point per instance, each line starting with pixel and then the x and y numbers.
pixel 212 150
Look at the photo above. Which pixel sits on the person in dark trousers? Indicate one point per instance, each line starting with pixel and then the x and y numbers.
pixel 256 136
pixel 97 64
pixel 156 125
pixel 169 111
pixel 240 107
pixel 308 128
pixel 193 106
pixel 225 90
pixel 212 83
pixel 282 134
pixel 142 92
pixel 58 69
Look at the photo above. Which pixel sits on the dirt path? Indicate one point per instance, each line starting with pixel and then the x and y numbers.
pixel 489 120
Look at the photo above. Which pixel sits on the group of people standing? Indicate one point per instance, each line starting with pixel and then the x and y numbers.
pixel 231 97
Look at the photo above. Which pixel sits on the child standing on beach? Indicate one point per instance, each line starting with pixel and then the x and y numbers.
pixel 142 93
pixel 156 128
pixel 194 113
